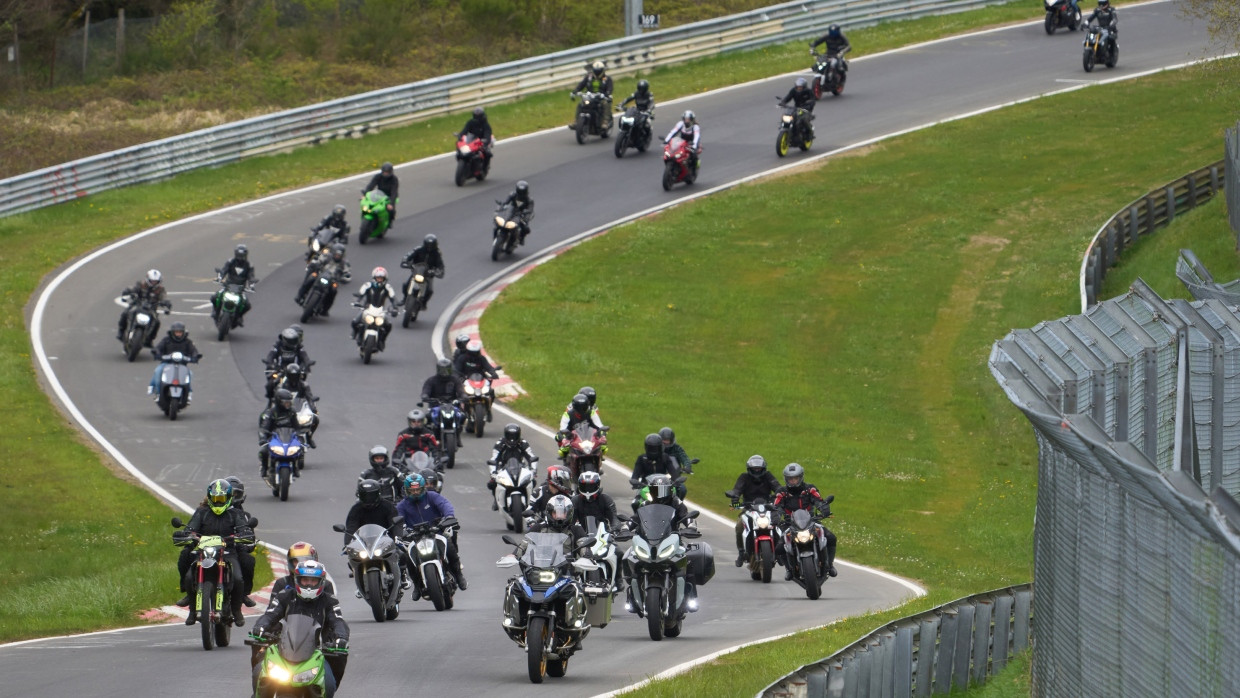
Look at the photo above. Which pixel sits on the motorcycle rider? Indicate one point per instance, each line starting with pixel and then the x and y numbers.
pixel 427 253
pixel 383 472
pixel 245 552
pixel 309 596
pixel 385 180
pixel 149 288
pixel 661 490
pixel 434 481
pixel 654 461
pixel 481 129
pixel 1107 18
pixel 592 396
pixel 558 516
pixel 444 386
pixel 799 494
pixel 371 508
pixel 284 353
pixel 420 505
pixel 459 344
pixel 688 129
pixel 755 483
pixel 416 437
pixel 837 45
pixel 577 412
pixel 802 98
pixel 335 222
pixel 237 270
pixel 597 80
pixel 281 414
pixel 559 481
pixel 675 450
pixel 332 264
pixel 510 445
pixel 215 516
pixel 298 552
pixel 525 208
pixel 293 379
pixel 378 293
pixel 472 361
pixel 590 500
pixel 642 98
pixel 177 339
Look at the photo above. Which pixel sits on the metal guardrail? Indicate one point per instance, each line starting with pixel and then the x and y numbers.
pixel 950 646
pixel 1142 217
pixel 364 113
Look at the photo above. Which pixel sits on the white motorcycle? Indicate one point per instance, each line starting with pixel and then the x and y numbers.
pixel 513 482
pixel 374 330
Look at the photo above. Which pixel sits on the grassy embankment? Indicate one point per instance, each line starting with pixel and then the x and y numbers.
pixel 842 317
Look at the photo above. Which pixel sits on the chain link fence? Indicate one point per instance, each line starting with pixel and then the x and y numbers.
pixel 98 49
pixel 1136 410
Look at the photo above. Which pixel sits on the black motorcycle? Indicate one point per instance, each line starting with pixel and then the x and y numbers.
pixel 545 606
pixel 592 118
pixel 427 545
pixel 321 239
pixel 805 548
pixel 1059 13
pixel 416 289
pixel 1100 45
pixel 140 323
pixel 829 74
pixel 213 576
pixel 661 578
pixel 448 421
pixel 794 130
pixel 509 223
pixel 315 300
pixel 635 131
pixel 374 560
pixel 226 306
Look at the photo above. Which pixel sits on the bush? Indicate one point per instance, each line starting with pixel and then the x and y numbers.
pixel 186 37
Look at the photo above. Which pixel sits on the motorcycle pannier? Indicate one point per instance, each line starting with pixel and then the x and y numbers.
pixel 701 563
pixel 598 606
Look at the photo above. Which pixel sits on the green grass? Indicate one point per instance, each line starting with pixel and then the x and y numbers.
pixel 849 331
pixel 1203 230
pixel 65 493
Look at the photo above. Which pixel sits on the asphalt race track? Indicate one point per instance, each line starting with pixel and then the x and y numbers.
pixel 463 652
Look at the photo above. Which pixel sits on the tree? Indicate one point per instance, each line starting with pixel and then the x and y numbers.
pixel 1222 18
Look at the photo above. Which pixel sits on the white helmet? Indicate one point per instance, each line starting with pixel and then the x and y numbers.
pixel 153 277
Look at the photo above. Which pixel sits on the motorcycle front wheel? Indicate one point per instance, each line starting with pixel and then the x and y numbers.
pixel 449 449
pixel 518 521
pixel 809 574
pixel 1050 23
pixel 535 641
pixel 368 350
pixel 817 87
pixel 462 173
pixel 1088 60
pixel 669 178
pixel 768 560
pixel 413 305
pixel 282 483
pixel 133 346
pixel 174 404
pixel 374 595
pixel 364 230
pixel 223 323
pixel 207 590
pixel 583 125
pixel 654 613
pixel 781 143
pixel 480 419
pixel 622 142
pixel 497 245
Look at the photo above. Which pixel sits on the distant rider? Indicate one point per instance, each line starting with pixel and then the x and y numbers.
pixel 309 596
pixel 802 98
pixel 420 505
pixel 288 350
pixel 215 516
pixel 176 340
pixel 577 412
pixel 387 182
pixel 837 44
pixel 511 445
pixel 590 500
pixel 675 450
pixel 688 129
pixel 149 288
pixel 480 128
pixel 416 437
pixel 280 415
pixel 377 293
pixel 799 494
pixel 642 98
pixel 1107 18
pixel 331 264
pixel 240 272
pixel 381 470
pixel 525 208
pixel 653 461
pixel 596 79
pixel 755 483
pixel 427 253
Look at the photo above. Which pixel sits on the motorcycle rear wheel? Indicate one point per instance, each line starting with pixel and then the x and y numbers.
pixel 374 595
pixel 207 590
pixel 480 419
pixel 654 613
pixel 434 589
pixel 768 560
pixel 535 641
pixel 781 143
pixel 282 483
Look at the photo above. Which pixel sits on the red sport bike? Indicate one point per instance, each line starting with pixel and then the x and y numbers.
pixel 586 446
pixel 677 167
pixel 472 161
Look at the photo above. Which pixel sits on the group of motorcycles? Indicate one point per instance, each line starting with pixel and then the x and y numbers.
pixel 801 537
pixel 1100 44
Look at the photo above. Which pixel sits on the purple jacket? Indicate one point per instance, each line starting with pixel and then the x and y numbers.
pixel 431 506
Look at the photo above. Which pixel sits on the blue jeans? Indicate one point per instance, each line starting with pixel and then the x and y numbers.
pixel 155 379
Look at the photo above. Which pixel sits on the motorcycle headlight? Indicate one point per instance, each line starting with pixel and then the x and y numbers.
pixel 304 418
pixel 142 318
pixel 464 150
pixel 426 546
pixel 666 548
pixel 804 536
pixel 306 676
pixel 762 522
pixel 587 446
pixel 510 225
pixel 370 320
pixel 787 118
pixel 292 450
pixel 419 279
pixel 585 102
pixel 278 450
pixel 278 673
pixel 207 563
pixel 626 120
pixel 502 478
pixel 314 245
pixel 231 297
pixel 378 321
pixel 641 549
pixel 469 390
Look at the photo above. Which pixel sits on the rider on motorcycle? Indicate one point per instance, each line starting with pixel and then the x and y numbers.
pixel 330 263
pixel 434 481
pixel 643 98
pixel 525 208
pixel 655 461
pixel 511 445
pixel 385 180
pixel 298 552
pixel 591 501
pixel 383 472
pixel 281 414
pixel 378 293
pixel 459 344
pixel 215 516
pixel 802 98
pixel 481 129
pixel 1107 18
pixel 558 516
pixel 837 44
pixel 755 483
pixel 245 552
pixel 472 361
pixel 444 386
pixel 597 80
pixel 237 270
pixel 799 494
pixel 309 596
pixel 578 411
pixel 421 505
pixel 177 339
pixel 689 130
pixel 293 379
pixel 417 437
pixel 149 288
pixel 287 351
pixel 427 253
pixel 336 223
pixel 371 508
pixel 675 450
pixel 559 481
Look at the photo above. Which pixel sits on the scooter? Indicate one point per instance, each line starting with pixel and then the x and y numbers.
pixel 174 387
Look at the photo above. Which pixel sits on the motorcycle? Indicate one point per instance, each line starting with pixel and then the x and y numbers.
pixel 416 289
pixel 286 454
pixel 513 481
pixel 374 561
pixel 759 536
pixel 1099 46
pixel 227 304
pixel 479 396
pixel 794 130
pixel 140 325
pixel 471 159
pixel 447 424
pixel 293 664
pixel 174 387
pixel 373 335
pixel 416 463
pixel 427 545
pixel 604 552
pixel 1061 14
pixel 586 446
pixel 805 545
pixel 321 239
pixel 314 301
pixel 829 74
pixel 376 218
pixel 635 131
pixel 544 605
pixel 213 572
pixel 506 234
pixel 676 163
pixel 591 119
pixel 658 570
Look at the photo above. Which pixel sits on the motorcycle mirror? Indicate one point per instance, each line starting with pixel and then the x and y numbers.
pixel 508 539
pixel 730 494
pixel 587 542
pixel 253 522
pixel 398 520
pixel 582 564
pixel 680 480
pixel 690 533
pixel 176 522
pixel 624 536
pixel 604 429
pixel 338 528
pixel 830 498
pixel 694 514
pixel 694 461
pixel 506 561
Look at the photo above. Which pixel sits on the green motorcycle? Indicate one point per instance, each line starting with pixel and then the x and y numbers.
pixel 292 664
pixel 376 218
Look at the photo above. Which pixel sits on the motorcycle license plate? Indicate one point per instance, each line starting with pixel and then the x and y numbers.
pixel 175 391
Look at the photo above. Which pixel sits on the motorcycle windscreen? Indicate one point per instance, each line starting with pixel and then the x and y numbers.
pixel 655 521
pixel 371 536
pixel 421 461
pixel 801 519
pixel 584 431
pixel 513 466
pixel 546 550
pixel 284 436
pixel 299 639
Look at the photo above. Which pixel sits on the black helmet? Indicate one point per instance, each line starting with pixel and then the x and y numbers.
pixel 643 87
pixel 668 436
pixel 430 241
pixel 301 331
pixel 589 484
pixel 523 190
pixel 238 489
pixel 662 490
pixel 801 84
pixel 1103 4
pixel 379 457
pixel 386 169
pixel 512 432
pixel 461 341
pixel 654 446
pixel 581 404
pixel 337 252
pixel 294 369
pixel 338 212
pixel 443 368
pixel 598 68
pixel 480 113
pixel 559 513
pixel 241 252
pixel 369 493
pixel 434 481
pixel 834 32
pixel 755 466
pixel 590 395
pixel 284 398
pixel 416 415
pixel 176 327
pixel 289 339
pixel 474 347
pixel 794 476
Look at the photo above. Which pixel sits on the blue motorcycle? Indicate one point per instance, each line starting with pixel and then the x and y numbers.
pixel 448 424
pixel 286 456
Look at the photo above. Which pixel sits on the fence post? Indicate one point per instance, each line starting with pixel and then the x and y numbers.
pixel 1021 629
pixel 85 42
pixel 927 636
pixel 1003 623
pixel 964 637
pixel 902 662
pixel 947 646
pixel 120 39
pixel 1172 204
pixel 981 641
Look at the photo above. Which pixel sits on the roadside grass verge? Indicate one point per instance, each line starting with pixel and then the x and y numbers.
pixel 55 477
pixel 851 335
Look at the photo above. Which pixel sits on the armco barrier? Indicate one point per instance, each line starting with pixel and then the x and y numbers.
pixel 1142 217
pixel 951 646
pixel 459 92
